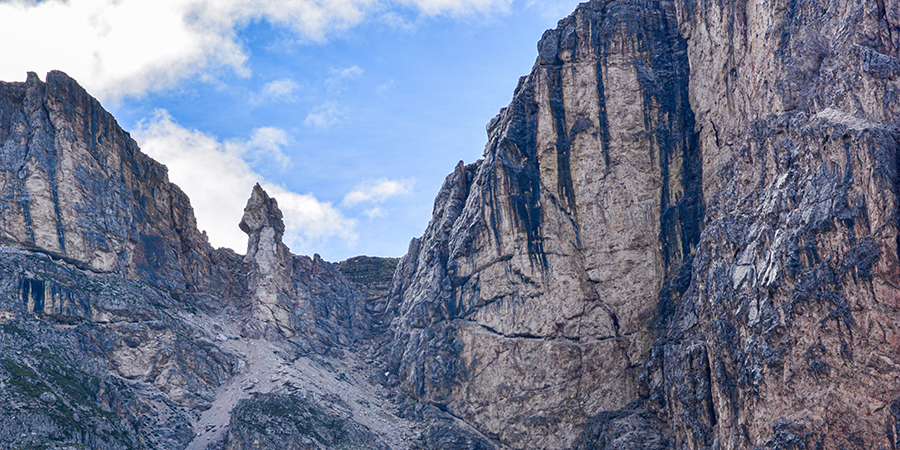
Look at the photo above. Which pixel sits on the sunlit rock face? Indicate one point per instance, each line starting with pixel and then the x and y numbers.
pixel 527 306
pixel 686 216
pixel 270 263
pixel 77 187
pixel 788 335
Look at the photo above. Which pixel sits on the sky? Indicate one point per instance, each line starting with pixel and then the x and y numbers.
pixel 349 112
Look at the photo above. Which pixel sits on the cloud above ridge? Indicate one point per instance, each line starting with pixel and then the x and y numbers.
pixel 119 48
pixel 377 191
pixel 218 179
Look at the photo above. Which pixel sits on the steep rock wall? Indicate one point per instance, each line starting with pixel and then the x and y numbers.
pixel 116 315
pixel 77 187
pixel 527 305
pixel 787 337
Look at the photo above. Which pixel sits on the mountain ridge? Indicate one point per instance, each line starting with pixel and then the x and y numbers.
pixel 683 235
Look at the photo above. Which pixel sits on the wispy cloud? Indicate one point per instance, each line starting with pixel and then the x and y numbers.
pixel 382 89
pixel 130 47
pixel 219 180
pixel 325 115
pixel 377 191
pixel 458 7
pixel 264 148
pixel 336 82
pixel 375 213
pixel 283 90
pixel 348 73
pixel 396 21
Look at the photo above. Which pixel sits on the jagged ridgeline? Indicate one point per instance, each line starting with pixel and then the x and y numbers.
pixel 683 235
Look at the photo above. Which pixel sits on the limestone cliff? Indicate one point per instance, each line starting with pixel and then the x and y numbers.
pixel 120 326
pixel 717 178
pixel 76 186
pixel 528 305
pixel 787 337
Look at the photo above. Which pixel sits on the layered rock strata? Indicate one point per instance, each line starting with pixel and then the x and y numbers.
pixel 578 240
pixel 75 186
pixel 787 337
pixel 116 316
pixel 528 304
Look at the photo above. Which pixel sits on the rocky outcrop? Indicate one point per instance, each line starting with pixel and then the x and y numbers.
pixel 120 324
pixel 275 302
pixel 372 277
pixel 771 127
pixel 98 361
pixel 787 336
pixel 297 296
pixel 277 422
pixel 556 246
pixel 76 186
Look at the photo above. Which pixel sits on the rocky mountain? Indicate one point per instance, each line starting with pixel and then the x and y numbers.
pixel 683 235
pixel 556 246
pixel 122 328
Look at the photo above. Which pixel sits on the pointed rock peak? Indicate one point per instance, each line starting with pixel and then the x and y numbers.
pixel 262 212
pixel 32 78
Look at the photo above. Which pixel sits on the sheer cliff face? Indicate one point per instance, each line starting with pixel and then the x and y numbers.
pixel 750 59
pixel 788 335
pixel 118 321
pixel 551 265
pixel 527 305
pixel 77 187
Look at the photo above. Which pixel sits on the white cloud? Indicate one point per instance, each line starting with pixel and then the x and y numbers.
pixel 375 213
pixel 349 73
pixel 219 181
pixel 325 115
pixel 129 47
pixel 283 90
pixel 458 7
pixel 396 21
pixel 378 191
pixel 335 83
pixel 263 148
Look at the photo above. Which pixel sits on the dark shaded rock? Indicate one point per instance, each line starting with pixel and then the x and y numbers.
pixel 557 245
pixel 278 422
pixel 372 276
pixel 626 429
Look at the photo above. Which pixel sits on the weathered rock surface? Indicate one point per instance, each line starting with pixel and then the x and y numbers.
pixel 372 276
pixel 277 422
pixel 121 326
pixel 787 336
pixel 75 186
pixel 527 306
pixel 548 268
pixel 275 301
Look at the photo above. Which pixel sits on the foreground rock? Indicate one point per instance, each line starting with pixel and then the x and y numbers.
pixel 751 237
pixel 527 307
pixel 122 328
pixel 787 336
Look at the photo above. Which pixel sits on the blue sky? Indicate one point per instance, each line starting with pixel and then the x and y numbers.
pixel 349 112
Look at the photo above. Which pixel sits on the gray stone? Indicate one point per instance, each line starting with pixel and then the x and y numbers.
pixel 527 305
pixel 48 398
